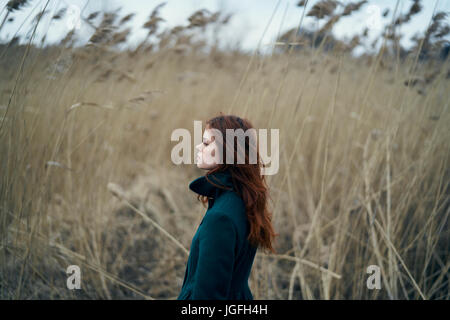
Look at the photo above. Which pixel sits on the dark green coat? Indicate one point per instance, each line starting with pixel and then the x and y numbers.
pixel 220 257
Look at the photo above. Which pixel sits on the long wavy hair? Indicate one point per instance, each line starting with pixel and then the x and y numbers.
pixel 247 179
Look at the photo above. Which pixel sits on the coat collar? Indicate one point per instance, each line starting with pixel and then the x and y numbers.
pixel 205 188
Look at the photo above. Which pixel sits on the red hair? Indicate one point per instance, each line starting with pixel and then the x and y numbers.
pixel 248 181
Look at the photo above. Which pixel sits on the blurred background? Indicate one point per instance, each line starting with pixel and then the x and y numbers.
pixel 90 92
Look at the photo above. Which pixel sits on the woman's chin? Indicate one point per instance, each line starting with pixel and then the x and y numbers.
pixel 204 166
pixel 200 165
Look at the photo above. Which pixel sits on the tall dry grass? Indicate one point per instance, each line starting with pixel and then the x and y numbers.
pixel 87 177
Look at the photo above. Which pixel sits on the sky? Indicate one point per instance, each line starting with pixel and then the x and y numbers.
pixel 254 24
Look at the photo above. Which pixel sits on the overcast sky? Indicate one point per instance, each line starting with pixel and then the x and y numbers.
pixel 250 18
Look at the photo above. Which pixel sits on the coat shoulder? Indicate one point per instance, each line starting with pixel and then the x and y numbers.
pixel 231 204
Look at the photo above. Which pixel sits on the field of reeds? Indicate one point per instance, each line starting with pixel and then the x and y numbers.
pixel 87 178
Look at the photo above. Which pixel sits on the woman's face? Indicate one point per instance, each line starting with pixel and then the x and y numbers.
pixel 206 151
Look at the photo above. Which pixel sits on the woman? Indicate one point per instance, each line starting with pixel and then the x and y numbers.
pixel 236 222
